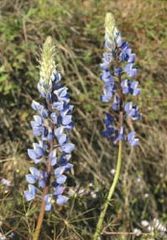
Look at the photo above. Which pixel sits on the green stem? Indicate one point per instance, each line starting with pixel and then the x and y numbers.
pixel 110 194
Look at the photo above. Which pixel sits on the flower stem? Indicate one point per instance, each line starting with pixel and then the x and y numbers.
pixel 110 194
pixel 41 216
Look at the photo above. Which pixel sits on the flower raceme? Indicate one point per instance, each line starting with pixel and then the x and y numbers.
pixel 118 75
pixel 120 86
pixel 51 126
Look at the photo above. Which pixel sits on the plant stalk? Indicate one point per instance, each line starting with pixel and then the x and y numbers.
pixel 110 194
pixel 41 216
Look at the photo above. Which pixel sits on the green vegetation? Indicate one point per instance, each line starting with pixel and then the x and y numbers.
pixel 78 28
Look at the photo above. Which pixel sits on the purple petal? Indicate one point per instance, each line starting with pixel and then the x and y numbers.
pixel 61 179
pixel 37 131
pixel 68 166
pixel 58 131
pixel 66 119
pixel 133 141
pixel 53 158
pixel 59 171
pixel 61 200
pixel 59 105
pixel 131 72
pixel 35 172
pixel 41 183
pixel 38 150
pixel 68 147
pixel 56 77
pixel 58 190
pixel 32 154
pixel 54 117
pixel 35 105
pixel 38 120
pixel 136 91
pixel 53 161
pixel 30 178
pixel 30 194
pixel 62 139
pixel 132 58
pixel 128 107
pixel 48 202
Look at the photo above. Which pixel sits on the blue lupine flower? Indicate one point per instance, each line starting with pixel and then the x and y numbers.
pixel 51 125
pixel 37 126
pixel 126 54
pixel 130 87
pixel 61 200
pixel 116 103
pixel 43 112
pixel 110 131
pixel 109 86
pixel 132 139
pixel 132 111
pixel 130 70
pixel 118 73
pixel 30 193
pixel 48 202
pixel 53 157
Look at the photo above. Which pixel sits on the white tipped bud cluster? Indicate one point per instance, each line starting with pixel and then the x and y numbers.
pixel 111 31
pixel 47 68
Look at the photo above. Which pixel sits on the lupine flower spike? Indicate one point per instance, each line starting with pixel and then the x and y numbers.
pixel 51 126
pixel 120 87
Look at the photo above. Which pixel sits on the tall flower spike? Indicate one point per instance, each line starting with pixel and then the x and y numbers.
pixel 51 126
pixel 118 73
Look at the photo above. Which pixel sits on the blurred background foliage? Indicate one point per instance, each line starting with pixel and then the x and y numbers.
pixel 78 29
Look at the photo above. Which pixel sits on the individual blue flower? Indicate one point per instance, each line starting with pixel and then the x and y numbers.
pixel 107 59
pixel 133 141
pixel 120 135
pixel 130 70
pixel 48 202
pixel 61 200
pixel 130 87
pixel 109 86
pixel 53 158
pixel 110 131
pixel 37 126
pixel 36 153
pixel 116 103
pixel 30 193
pixel 40 109
pixel 132 111
pixel 126 54
pixel 118 71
